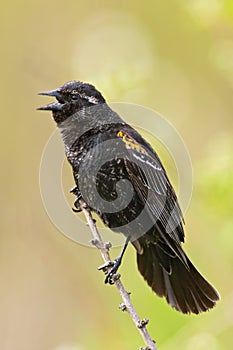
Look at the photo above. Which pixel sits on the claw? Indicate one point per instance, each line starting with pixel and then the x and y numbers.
pixel 105 266
pixel 76 192
pixel 76 210
pixel 112 279
pixel 111 275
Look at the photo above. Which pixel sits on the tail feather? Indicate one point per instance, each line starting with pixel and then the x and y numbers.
pixel 184 288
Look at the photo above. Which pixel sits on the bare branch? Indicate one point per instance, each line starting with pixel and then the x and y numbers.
pixel 126 305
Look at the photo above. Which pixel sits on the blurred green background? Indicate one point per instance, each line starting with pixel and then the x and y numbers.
pixel 173 56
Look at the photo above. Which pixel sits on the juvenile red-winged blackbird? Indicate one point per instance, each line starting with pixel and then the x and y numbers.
pixel 106 155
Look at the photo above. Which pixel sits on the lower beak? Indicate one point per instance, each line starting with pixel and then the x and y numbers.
pixel 56 106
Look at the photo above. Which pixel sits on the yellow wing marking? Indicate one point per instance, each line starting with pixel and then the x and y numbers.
pixel 130 143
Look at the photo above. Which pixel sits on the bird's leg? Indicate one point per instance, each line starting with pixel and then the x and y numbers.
pixel 114 265
pixel 77 193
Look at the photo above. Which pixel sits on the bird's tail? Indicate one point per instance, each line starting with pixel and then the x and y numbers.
pixel 184 288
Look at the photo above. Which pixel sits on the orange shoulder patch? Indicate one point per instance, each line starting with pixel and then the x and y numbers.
pixel 130 143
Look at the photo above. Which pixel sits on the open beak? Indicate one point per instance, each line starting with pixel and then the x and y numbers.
pixel 56 106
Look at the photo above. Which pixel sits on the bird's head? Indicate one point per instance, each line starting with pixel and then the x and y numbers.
pixel 71 98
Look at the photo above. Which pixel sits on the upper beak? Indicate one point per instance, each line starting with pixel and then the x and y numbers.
pixel 56 106
pixel 55 93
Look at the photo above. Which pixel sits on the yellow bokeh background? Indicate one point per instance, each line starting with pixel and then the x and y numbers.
pixel 173 56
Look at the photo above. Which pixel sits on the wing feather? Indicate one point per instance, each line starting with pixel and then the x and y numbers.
pixel 148 175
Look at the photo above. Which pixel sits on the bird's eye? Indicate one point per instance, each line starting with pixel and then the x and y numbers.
pixel 74 95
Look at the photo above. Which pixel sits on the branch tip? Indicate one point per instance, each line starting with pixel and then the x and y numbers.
pixel 84 205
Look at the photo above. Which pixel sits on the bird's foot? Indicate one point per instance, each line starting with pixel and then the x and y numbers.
pixel 111 274
pixel 77 193
pixel 112 267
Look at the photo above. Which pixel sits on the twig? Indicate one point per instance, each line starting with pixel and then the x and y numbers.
pixel 127 304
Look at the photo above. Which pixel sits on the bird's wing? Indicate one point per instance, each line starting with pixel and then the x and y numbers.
pixel 150 181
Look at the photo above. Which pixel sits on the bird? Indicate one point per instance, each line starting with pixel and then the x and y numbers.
pixel 122 179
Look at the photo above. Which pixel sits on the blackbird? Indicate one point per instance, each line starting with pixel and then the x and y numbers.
pixel 121 178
